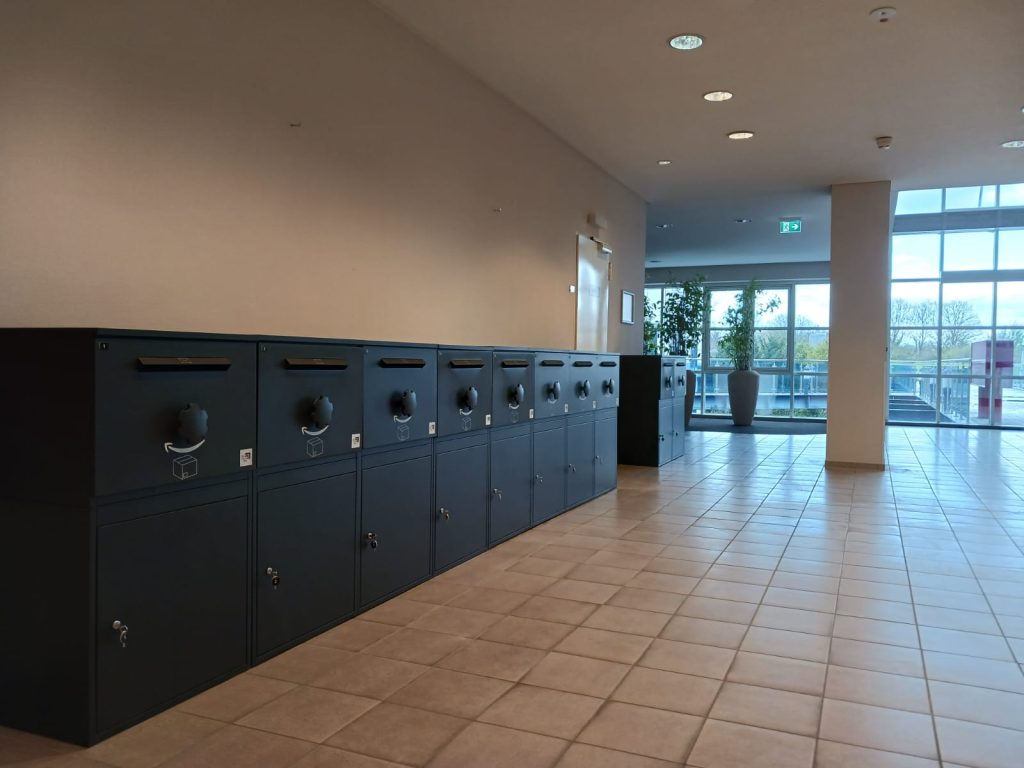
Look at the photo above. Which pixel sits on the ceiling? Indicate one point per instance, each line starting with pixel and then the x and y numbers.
pixel 817 80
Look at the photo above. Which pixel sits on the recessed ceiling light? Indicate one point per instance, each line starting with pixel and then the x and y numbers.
pixel 742 221
pixel 717 96
pixel 686 42
pixel 664 162
pixel 741 135
pixel 1014 144
pixel 663 226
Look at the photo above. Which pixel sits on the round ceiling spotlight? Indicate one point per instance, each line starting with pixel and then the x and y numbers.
pixel 686 42
pixel 882 15
pixel 1014 144
pixel 717 96
pixel 742 221
pixel 664 162
pixel 741 135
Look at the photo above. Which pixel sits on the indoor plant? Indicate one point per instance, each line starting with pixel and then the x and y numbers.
pixel 685 307
pixel 738 345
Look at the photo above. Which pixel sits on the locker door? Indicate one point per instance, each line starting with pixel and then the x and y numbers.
pixel 305 566
pixel 665 432
pixel 606 468
pixel 177 580
pixel 461 508
pixel 581 463
pixel 678 427
pixel 510 486
pixel 395 549
pixel 550 473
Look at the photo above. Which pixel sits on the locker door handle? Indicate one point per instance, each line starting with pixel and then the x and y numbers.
pixel 122 632
pixel 599 460
pixel 662 438
pixel 609 386
pixel 445 513
pixel 572 467
pixel 275 579
pixel 540 479
pixel 497 492
pixel 371 539
pixel 554 391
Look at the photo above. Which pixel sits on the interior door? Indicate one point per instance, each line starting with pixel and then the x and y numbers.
pixel 592 264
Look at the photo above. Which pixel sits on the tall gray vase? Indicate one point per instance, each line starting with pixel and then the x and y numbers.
pixel 743 387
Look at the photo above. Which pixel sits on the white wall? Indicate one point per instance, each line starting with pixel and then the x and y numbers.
pixel 859 326
pixel 149 178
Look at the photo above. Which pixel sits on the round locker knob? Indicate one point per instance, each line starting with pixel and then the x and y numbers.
pixel 517 395
pixel 405 402
pixel 469 398
pixel 192 423
pixel 323 410
pixel 584 388
pixel 609 386
pixel 554 391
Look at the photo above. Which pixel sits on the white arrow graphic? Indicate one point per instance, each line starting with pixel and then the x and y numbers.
pixel 315 433
pixel 169 447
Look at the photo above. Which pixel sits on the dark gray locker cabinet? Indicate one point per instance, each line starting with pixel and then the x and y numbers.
pixel 553 383
pixel 606 387
pixel 581 455
pixel 513 384
pixel 399 395
pixel 460 521
pixel 678 425
pixel 550 472
pixel 584 383
pixel 463 390
pixel 511 482
pixel 653 389
pixel 305 562
pixel 170 607
pixel 606 461
pixel 395 534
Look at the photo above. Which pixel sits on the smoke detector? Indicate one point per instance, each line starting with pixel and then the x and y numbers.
pixel 882 15
pixel 883 142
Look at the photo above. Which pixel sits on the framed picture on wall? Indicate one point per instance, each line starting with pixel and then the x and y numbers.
pixel 627 307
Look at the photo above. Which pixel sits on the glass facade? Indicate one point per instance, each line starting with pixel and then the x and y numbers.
pixel 956 341
pixel 790 352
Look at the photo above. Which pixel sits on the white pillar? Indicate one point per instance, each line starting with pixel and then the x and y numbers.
pixel 859 325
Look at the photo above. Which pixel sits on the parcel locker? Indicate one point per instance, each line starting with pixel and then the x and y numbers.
pixel 460 504
pixel 665 428
pixel 304 569
pixel 552 384
pixel 584 383
pixel 463 390
pixel 580 448
pixel 550 471
pixel 651 409
pixel 172 410
pixel 310 402
pixel 170 603
pixel 511 482
pixel 395 521
pixel 606 391
pixel 399 395
pixel 606 446
pixel 513 385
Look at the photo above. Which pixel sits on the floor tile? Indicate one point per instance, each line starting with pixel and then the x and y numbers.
pixel 781 642
pixel 542 710
pixel 889 730
pixel 491 600
pixel 236 697
pixel 234 745
pixel 768 708
pixel 577 674
pixel 643 731
pixel 311 714
pixel 354 635
pixel 984 746
pixel 704 631
pixel 451 693
pixel 555 609
pixel 415 645
pixel 731 745
pixel 501 660
pixel 831 754
pixel 587 756
pixel 876 656
pixel 154 741
pixel 496 747
pixel 646 600
pixel 877 688
pixel 530 633
pixel 778 672
pixel 602 644
pixel 376 677
pixel 688 658
pixel 661 689
pixel 455 621
pixel 628 620
pixel 978 705
pixel 400 734
pixel 332 757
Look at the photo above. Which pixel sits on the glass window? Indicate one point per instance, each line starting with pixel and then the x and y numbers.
pixel 912 398
pixel 1011 195
pixel 773 395
pixel 721 301
pixel 915 256
pixel 968 250
pixel 810 350
pixel 1011 249
pixel 716 393
pixel 915 304
pixel 777 317
pixel 914 351
pixel 919 201
pixel 965 304
pixel 810 396
pixel 961 350
pixel 960 198
pixel 1010 303
pixel 770 349
pixel 812 305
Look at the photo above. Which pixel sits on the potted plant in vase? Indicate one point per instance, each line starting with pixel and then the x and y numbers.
pixel 682 323
pixel 738 346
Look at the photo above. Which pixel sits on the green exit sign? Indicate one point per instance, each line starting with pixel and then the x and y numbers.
pixel 793 226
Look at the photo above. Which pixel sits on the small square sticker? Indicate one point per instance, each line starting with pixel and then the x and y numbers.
pixel 566 407
pixel 594 404
pixel 245 457
pixel 432 428
pixel 487 420
pixel 531 413
pixel 357 439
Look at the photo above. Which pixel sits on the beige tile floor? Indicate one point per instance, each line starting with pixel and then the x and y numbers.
pixel 737 608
